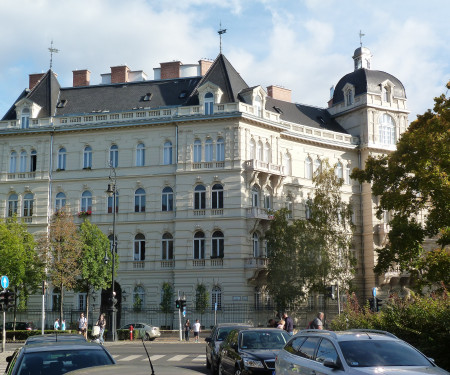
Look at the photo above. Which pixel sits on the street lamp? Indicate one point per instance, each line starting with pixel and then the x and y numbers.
pixel 112 192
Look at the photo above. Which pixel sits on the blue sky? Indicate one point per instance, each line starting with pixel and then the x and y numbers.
pixel 304 45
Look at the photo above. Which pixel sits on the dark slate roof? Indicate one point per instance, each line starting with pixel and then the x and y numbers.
pixel 304 115
pixel 11 113
pixel 126 96
pixel 222 74
pixel 366 80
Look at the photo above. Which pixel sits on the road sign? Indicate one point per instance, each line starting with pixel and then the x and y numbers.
pixel 215 306
pixel 5 282
pixel 374 292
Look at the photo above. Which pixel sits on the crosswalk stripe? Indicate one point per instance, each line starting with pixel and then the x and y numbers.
pixel 130 357
pixel 178 357
pixel 154 357
pixel 200 358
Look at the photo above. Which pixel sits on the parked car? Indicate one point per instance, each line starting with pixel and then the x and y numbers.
pixel 352 352
pixel 56 358
pixel 53 337
pixel 113 370
pixel 146 331
pixel 251 351
pixel 20 326
pixel 218 334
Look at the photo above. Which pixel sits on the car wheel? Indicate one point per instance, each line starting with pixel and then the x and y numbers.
pixel 152 339
pixel 221 372
pixel 237 372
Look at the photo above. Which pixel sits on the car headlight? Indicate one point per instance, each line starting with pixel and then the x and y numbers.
pixel 253 363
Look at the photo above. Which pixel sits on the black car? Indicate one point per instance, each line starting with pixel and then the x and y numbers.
pixel 20 326
pixel 57 358
pixel 218 334
pixel 251 351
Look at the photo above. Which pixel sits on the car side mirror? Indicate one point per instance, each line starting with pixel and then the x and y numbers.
pixel 9 358
pixel 208 339
pixel 330 363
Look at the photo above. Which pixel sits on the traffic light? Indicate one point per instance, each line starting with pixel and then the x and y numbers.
pixel 372 304
pixel 331 291
pixel 379 304
pixel 8 299
pixel 2 300
pixel 178 304
pixel 183 304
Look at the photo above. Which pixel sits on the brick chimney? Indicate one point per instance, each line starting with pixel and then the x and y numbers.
pixel 34 79
pixel 81 77
pixel 204 66
pixel 279 93
pixel 170 69
pixel 119 74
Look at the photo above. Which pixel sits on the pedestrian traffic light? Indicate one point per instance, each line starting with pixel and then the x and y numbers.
pixel 331 291
pixel 379 304
pixel 183 304
pixel 8 299
pixel 2 300
pixel 372 304
pixel 177 304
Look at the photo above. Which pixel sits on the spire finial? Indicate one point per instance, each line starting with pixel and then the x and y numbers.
pixel 360 37
pixel 220 32
pixel 52 50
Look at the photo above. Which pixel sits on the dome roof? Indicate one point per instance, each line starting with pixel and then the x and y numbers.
pixel 360 51
pixel 366 80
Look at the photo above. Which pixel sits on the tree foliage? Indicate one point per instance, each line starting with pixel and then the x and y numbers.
pixel 201 298
pixel 306 255
pixel 413 184
pixel 167 298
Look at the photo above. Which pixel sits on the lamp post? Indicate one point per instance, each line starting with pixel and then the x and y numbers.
pixel 112 192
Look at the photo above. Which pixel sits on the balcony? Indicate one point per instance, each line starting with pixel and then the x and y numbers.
pixel 198 263
pixel 168 263
pixel 262 166
pixel 258 213
pixel 261 262
pixel 138 264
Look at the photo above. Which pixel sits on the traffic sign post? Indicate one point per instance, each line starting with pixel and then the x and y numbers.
pixel 5 282
pixel 4 296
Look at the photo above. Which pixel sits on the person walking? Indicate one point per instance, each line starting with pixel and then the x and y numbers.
pixel 187 329
pixel 63 325
pixel 280 324
pixel 288 324
pixel 56 324
pixel 82 325
pixel 196 330
pixel 101 322
pixel 318 322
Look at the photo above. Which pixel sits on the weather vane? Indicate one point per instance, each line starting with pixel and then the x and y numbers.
pixel 52 50
pixel 220 32
pixel 360 37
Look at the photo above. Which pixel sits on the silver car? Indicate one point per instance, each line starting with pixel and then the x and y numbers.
pixel 355 352
pixel 142 330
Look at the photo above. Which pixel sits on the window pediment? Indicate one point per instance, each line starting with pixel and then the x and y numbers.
pixel 24 105
pixel 209 87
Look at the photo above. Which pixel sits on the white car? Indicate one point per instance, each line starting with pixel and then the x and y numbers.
pixel 143 330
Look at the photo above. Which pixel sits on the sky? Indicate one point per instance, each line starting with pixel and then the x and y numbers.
pixel 303 45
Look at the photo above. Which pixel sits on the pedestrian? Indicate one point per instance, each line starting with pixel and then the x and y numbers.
pixel 318 322
pixel 280 324
pixel 288 324
pixel 272 323
pixel 187 329
pixel 196 330
pixel 56 324
pixel 63 325
pixel 101 322
pixel 82 325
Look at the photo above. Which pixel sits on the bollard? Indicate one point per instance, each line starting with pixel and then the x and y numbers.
pixel 131 333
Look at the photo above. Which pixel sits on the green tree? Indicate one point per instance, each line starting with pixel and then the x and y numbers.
pixel 94 273
pixel 201 298
pixel 167 299
pixel 413 185
pixel 61 250
pixel 308 255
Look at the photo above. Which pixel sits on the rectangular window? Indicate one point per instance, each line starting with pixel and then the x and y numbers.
pixel 217 248
pixel 199 248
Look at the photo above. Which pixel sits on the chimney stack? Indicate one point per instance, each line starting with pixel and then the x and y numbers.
pixel 119 74
pixel 170 70
pixel 81 77
pixel 34 79
pixel 279 93
pixel 204 66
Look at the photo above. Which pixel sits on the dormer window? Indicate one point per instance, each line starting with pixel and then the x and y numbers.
pixel 148 97
pixel 209 103
pixel 62 103
pixel 349 96
pixel 258 106
pixel 386 94
pixel 25 118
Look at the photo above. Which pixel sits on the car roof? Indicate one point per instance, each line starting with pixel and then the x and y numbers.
pixel 350 335
pixel 54 338
pixel 61 345
pixel 219 325
pixel 112 370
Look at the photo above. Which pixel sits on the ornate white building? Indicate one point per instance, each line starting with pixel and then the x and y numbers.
pixel 199 156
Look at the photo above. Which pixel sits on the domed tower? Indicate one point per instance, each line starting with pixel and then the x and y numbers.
pixel 371 105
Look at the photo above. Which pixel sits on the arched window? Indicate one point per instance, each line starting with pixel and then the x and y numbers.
pixel 217 245
pixel 138 298
pixel 386 129
pixel 252 149
pixel 256 246
pixel 87 157
pixel 287 164
pixel 220 149
pixel 308 168
pixel 139 200
pixel 25 119
pixel 317 166
pixel 217 196
pixel 13 204
pixel 56 299
pixel 167 247
pixel 289 206
pixel 267 154
pixel 209 150
pixel 167 199
pixel 209 103
pixel 258 106
pixel 114 156
pixel 216 298
pixel 139 247
pixel 339 170
pixel 267 199
pixel 255 196
pixel 199 197
pixel 308 209
pixel 259 151
pixel 140 155
pixel 197 151
pixel 62 159
pixel 111 203
pixel 167 155
pixel 13 162
pixel 33 161
pixel 86 201
pixel 28 201
pixel 60 201
pixel 199 245
pixel 23 162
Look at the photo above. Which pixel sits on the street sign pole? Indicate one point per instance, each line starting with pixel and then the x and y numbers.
pixel 4 281
pixel 179 319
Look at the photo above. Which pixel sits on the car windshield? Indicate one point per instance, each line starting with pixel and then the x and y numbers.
pixel 264 339
pixel 223 332
pixel 374 353
pixel 61 361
